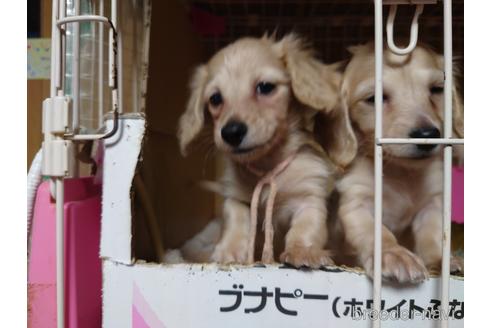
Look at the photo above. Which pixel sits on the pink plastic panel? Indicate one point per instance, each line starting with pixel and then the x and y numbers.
pixel 83 277
pixel 458 206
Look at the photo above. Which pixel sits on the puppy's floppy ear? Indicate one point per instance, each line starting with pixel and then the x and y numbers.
pixel 333 128
pixel 457 102
pixel 193 119
pixel 359 48
pixel 307 79
pixel 316 85
pixel 458 118
pixel 458 111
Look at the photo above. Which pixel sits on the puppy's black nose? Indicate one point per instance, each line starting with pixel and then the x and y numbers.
pixel 427 133
pixel 233 132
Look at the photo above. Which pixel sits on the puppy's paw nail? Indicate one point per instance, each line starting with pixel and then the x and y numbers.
pixel 457 265
pixel 306 256
pixel 267 257
pixel 229 254
pixel 400 265
pixel 222 257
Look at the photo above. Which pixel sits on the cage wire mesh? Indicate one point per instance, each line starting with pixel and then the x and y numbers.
pixel 330 25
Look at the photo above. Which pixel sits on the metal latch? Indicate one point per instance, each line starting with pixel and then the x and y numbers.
pixel 415 23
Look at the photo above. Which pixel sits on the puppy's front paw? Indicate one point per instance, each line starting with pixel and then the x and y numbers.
pixel 231 253
pixel 399 264
pixel 306 256
pixel 457 265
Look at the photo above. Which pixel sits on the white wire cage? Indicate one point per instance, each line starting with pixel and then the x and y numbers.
pixel 447 141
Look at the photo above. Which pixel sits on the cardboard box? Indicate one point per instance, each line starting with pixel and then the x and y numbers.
pixel 139 294
pixel 212 296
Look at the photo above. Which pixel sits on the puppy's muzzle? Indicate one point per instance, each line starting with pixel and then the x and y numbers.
pixel 426 133
pixel 233 133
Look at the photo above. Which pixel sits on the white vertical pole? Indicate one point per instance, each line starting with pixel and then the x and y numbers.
pixel 60 189
pixel 111 59
pixel 378 159
pixel 60 253
pixel 115 82
pixel 55 62
pixel 58 11
pixel 144 58
pixel 136 62
pixel 59 47
pixel 76 85
pixel 448 154
pixel 62 50
pixel 92 10
pixel 54 48
pixel 118 10
pixel 101 67
pixel 76 69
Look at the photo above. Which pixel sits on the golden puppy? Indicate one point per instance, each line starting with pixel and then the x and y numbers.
pixel 412 184
pixel 259 97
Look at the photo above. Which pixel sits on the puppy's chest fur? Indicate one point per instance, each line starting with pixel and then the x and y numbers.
pixel 308 175
pixel 405 191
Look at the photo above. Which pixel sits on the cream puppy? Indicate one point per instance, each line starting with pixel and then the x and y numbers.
pixel 258 98
pixel 412 184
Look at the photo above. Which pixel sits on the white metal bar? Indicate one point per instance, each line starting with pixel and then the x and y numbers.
pixel 82 137
pixel 144 62
pixel 54 46
pixel 93 35
pixel 59 48
pixel 76 69
pixel 111 55
pixel 378 160
pixel 101 67
pixel 84 18
pixel 53 72
pixel 119 58
pixel 88 64
pixel 135 58
pixel 57 184
pixel 418 141
pixel 60 253
pixel 448 156
pixel 76 84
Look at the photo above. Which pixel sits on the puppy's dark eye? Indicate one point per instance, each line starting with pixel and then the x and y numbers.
pixel 216 99
pixel 265 88
pixel 372 99
pixel 435 90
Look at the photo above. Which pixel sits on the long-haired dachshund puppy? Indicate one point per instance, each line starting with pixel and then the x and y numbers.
pixel 259 97
pixel 412 183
